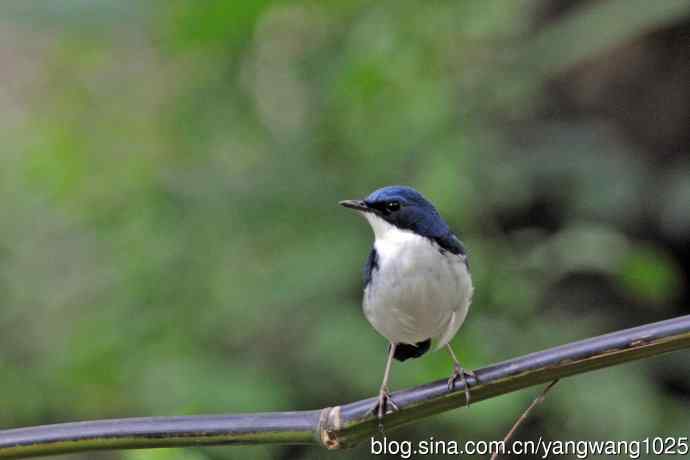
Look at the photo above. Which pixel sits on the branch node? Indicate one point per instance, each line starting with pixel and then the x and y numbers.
pixel 330 423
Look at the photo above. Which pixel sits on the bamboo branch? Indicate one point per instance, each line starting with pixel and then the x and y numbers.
pixel 345 425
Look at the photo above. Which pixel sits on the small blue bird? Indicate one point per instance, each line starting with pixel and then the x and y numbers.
pixel 417 283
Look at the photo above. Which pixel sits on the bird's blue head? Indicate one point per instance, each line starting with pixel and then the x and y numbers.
pixel 402 207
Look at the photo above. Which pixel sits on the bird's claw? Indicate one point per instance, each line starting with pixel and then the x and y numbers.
pixel 460 373
pixel 381 407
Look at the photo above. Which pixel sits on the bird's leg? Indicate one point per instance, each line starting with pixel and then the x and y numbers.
pixel 459 373
pixel 384 396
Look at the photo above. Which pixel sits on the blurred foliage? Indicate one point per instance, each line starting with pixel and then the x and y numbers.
pixel 170 241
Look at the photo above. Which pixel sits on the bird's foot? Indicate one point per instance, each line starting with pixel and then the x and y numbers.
pixel 381 407
pixel 460 373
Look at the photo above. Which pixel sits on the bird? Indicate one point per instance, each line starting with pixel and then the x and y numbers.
pixel 417 281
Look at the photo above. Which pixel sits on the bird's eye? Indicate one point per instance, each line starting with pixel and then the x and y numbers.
pixel 393 206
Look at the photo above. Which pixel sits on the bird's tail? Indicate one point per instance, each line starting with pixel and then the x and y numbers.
pixel 405 351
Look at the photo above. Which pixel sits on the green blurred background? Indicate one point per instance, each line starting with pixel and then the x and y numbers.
pixel 170 241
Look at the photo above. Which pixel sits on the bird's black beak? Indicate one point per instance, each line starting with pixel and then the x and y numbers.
pixel 357 205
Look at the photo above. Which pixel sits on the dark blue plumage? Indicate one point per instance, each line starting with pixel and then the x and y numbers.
pixel 405 351
pixel 414 213
pixel 371 265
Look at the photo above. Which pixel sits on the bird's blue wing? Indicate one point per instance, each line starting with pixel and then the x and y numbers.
pixel 371 266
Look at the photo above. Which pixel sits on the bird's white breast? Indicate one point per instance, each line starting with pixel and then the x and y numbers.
pixel 418 291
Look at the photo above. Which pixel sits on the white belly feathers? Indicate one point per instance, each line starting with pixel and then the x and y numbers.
pixel 417 292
